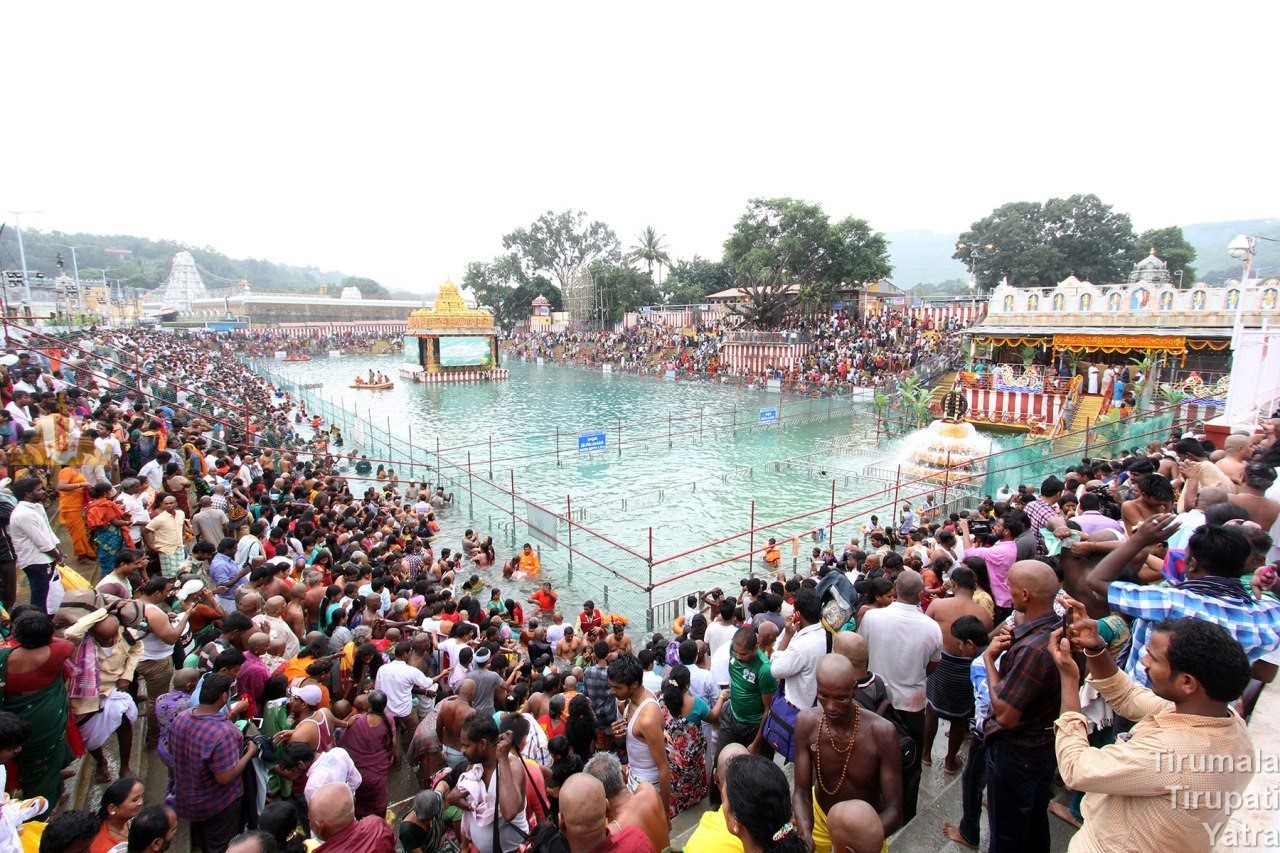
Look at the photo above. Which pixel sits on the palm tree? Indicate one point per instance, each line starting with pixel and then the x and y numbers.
pixel 650 250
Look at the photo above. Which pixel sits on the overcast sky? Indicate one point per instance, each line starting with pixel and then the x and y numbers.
pixel 401 140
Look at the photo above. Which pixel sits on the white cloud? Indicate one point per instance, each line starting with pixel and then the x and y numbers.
pixel 400 140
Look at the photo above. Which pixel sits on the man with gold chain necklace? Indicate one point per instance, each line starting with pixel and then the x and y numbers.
pixel 844 752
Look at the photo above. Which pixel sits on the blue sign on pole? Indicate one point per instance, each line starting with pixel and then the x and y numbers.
pixel 768 416
pixel 591 441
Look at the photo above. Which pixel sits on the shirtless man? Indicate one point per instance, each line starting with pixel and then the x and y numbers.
pixel 1258 477
pixel 276 584
pixel 1237 450
pixel 450 716
pixel 642 809
pixel 1155 496
pixel 950 694
pixel 570 647
pixel 313 598
pixel 295 614
pixel 618 640
pixel 869 769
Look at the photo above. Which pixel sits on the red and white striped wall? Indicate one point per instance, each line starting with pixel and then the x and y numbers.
pixel 1198 411
pixel 967 313
pixel 756 357
pixel 985 404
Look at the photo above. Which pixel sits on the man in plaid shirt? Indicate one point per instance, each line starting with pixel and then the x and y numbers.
pixel 1212 590
pixel 1043 512
pixel 209 756
pixel 1026 692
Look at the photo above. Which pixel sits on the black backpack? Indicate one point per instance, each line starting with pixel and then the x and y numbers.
pixel 875 698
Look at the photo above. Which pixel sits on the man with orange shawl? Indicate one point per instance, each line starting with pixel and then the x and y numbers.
pixel 108 525
pixel 73 490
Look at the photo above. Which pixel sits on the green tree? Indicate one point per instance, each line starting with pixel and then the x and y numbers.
pixel 690 282
pixel 559 243
pixel 495 284
pixel 620 289
pixel 369 289
pixel 1094 239
pixel 1171 247
pixel 650 250
pixel 767 296
pixel 784 241
pixel 522 297
pixel 1038 245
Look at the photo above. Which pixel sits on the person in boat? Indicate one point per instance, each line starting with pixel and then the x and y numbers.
pixel 359 380
pixel 371 380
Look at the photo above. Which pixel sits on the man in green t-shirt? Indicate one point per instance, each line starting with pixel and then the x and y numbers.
pixel 751 688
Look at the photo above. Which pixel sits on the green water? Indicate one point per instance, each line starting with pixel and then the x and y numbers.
pixel 682 464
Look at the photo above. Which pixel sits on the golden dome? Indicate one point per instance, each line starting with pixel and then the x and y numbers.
pixel 449 311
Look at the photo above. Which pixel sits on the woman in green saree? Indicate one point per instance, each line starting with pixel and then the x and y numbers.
pixel 35 688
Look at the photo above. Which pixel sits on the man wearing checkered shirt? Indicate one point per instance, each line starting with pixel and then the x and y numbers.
pixel 1212 590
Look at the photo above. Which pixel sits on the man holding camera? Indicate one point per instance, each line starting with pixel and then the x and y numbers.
pixel 999 558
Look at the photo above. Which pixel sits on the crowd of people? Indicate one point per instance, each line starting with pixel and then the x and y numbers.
pixel 295 642
pixel 875 351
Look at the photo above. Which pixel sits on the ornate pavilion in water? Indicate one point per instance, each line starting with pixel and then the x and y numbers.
pixel 451 342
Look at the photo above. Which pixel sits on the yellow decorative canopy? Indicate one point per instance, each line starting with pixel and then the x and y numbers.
pixel 1011 340
pixel 450 312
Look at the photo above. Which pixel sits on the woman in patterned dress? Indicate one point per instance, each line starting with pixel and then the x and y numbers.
pixel 686 747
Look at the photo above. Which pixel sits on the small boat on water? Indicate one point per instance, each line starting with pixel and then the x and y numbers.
pixel 297 358
pixel 373 386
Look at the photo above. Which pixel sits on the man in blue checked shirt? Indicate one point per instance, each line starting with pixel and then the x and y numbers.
pixel 1212 590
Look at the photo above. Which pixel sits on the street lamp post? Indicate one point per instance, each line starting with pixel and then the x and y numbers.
pixel 975 254
pixel 1243 248
pixel 22 254
pixel 75 269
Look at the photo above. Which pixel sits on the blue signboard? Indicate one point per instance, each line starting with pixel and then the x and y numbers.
pixel 590 441
pixel 768 416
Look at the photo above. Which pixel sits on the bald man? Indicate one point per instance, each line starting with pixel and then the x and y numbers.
pixel 905 646
pixel 273 621
pixel 641 808
pixel 332 812
pixel 1237 450
pixel 712 834
pixel 1025 695
pixel 584 820
pixel 848 751
pixel 854 828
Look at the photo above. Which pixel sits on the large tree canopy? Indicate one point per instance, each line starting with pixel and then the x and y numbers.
pixel 496 284
pixel 783 241
pixel 1038 245
pixel 559 243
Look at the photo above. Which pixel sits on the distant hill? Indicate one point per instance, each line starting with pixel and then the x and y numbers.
pixel 1210 239
pixel 923 257
pixel 148 265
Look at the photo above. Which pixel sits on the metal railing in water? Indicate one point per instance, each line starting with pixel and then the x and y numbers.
pixel 629 583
